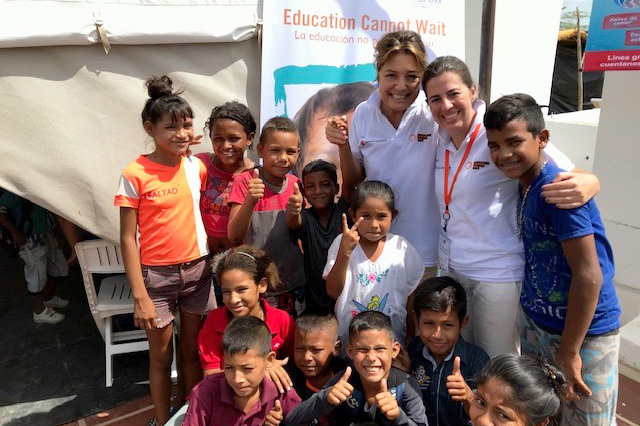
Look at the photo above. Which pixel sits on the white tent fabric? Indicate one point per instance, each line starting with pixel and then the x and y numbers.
pixel 71 116
pixel 28 23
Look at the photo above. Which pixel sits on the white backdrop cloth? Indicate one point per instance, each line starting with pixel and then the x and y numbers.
pixel 71 116
pixel 26 23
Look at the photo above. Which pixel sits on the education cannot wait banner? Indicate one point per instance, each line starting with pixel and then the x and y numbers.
pixel 317 56
pixel 613 42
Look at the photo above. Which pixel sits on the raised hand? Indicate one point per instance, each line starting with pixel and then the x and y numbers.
pixel 279 375
pixel 350 236
pixel 294 205
pixel 456 385
pixel 341 390
pixel 336 130
pixel 255 190
pixel 387 403
pixel 195 141
pixel 275 415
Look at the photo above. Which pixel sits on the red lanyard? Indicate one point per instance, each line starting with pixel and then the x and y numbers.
pixel 448 192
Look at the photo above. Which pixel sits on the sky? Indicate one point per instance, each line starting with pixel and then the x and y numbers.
pixel 584 5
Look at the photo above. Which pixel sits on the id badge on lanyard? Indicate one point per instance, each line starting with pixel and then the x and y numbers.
pixel 448 192
pixel 444 246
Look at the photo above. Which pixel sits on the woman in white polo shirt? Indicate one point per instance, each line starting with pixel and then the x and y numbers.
pixel 391 139
pixel 479 242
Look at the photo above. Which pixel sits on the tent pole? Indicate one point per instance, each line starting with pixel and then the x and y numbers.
pixel 486 47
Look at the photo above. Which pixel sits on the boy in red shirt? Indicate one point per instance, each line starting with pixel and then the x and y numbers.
pixel 258 203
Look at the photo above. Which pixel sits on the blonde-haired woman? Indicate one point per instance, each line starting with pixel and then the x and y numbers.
pixel 393 138
pixel 390 139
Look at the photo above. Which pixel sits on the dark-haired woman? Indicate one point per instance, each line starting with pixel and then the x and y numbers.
pixel 479 244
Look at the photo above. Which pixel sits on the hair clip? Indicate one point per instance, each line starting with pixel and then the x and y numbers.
pixel 247 254
pixel 218 259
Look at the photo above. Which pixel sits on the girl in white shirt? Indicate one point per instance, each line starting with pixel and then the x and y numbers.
pixel 369 268
pixel 391 139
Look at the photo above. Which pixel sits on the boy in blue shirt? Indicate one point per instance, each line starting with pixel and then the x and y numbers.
pixel 440 357
pixel 571 309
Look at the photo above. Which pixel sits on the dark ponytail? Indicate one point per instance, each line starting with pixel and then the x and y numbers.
pixel 373 189
pixel 537 387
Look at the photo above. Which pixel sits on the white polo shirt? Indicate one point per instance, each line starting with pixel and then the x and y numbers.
pixel 404 159
pixel 482 228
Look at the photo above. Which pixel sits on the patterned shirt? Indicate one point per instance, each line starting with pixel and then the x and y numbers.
pixel 545 292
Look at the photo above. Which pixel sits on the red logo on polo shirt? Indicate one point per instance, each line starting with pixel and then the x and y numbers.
pixel 362 142
pixel 479 164
pixel 412 137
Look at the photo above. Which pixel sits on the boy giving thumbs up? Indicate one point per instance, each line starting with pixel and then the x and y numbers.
pixel 257 211
pixel 370 390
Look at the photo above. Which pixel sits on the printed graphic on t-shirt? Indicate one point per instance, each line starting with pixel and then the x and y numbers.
pixel 420 374
pixel 546 293
pixel 215 198
pixel 375 304
pixel 371 292
pixel 372 277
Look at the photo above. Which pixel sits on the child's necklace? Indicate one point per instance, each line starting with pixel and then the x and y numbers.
pixel 520 211
pixel 274 187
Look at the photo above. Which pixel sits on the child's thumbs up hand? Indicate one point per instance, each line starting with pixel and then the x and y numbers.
pixel 458 388
pixel 456 367
pixel 255 189
pixel 350 236
pixel 336 130
pixel 387 403
pixel 275 415
pixel 277 373
pixel 341 390
pixel 294 206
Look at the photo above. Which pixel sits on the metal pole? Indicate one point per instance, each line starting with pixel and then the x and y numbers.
pixel 486 47
pixel 579 52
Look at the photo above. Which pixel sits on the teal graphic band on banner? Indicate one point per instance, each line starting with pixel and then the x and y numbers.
pixel 318 74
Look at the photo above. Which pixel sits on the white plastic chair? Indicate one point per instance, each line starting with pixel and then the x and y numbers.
pixel 113 298
pixel 178 417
